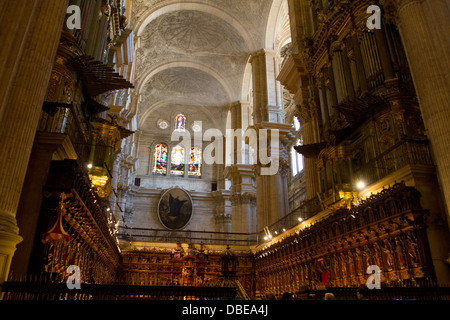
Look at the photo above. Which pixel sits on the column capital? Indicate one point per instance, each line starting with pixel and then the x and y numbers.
pixel 262 52
pixel 393 7
pixel 243 198
pixel 238 169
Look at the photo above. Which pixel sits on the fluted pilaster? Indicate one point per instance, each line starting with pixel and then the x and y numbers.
pixel 430 69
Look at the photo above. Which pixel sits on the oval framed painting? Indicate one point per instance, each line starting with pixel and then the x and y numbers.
pixel 175 208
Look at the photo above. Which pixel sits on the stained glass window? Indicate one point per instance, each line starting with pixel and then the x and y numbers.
pixel 195 162
pixel 196 127
pixel 163 124
pixel 177 161
pixel 160 159
pixel 180 122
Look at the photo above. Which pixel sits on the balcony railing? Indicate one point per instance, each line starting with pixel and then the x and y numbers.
pixel 62 118
pixel 187 236
pixel 404 152
pixel 305 211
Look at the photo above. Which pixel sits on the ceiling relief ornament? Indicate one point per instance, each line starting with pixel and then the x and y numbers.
pixel 196 32
pixel 192 86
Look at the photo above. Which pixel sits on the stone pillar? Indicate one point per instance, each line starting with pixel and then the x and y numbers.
pixel 238 154
pixel 271 185
pixel 272 194
pixel 427 54
pixel 243 197
pixel 240 172
pixel 32 30
pixel 267 95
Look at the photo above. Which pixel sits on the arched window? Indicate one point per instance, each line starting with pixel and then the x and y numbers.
pixel 177 161
pixel 195 162
pixel 180 122
pixel 296 161
pixel 160 159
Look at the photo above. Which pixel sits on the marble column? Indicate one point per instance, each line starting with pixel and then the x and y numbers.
pixel 31 30
pixel 427 53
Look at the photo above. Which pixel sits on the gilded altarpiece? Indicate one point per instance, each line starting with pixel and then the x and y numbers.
pixel 192 266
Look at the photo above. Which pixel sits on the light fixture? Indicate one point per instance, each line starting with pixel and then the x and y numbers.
pixel 89 165
pixel 300 219
pixel 284 230
pixel 360 185
pixel 107 209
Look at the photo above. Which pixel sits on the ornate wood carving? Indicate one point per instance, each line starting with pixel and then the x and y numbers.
pixel 387 230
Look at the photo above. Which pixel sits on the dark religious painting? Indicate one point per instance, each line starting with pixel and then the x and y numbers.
pixel 175 208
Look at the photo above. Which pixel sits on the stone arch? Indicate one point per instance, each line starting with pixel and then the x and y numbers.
pixel 186 64
pixel 278 31
pixel 247 85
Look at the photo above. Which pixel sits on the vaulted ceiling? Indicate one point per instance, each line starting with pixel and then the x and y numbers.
pixel 193 55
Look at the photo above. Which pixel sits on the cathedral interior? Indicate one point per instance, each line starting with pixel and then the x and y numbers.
pixel 224 149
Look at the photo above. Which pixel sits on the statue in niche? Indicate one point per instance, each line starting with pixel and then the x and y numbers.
pixel 343 266
pixel 335 266
pixel 350 264
pixel 359 262
pixel 365 259
pixel 412 249
pixel 389 258
pixel 399 256
pixel 376 254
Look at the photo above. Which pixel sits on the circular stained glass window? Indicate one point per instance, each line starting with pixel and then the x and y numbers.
pixel 163 124
pixel 196 127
